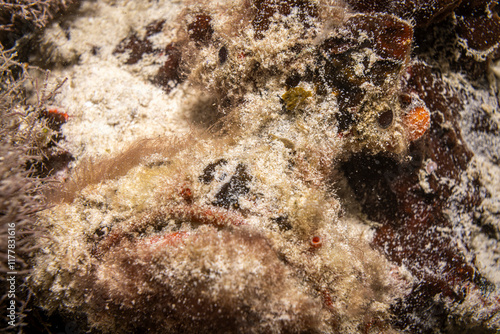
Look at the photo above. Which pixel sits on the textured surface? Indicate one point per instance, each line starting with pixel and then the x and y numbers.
pixel 337 176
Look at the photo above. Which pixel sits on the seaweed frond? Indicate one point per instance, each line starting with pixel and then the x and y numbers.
pixel 23 137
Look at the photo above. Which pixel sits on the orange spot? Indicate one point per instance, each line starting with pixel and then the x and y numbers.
pixel 416 122
pixel 316 242
pixel 187 195
pixel 60 115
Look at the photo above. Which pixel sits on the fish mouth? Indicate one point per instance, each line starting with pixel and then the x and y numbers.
pixel 214 268
pixel 148 230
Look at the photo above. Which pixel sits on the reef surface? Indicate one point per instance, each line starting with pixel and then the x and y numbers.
pixel 274 166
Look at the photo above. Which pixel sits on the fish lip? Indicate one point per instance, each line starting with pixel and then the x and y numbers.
pixel 137 230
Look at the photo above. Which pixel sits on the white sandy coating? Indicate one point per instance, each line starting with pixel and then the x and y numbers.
pixel 109 105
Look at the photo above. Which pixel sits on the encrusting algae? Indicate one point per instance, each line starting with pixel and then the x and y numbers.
pixel 240 228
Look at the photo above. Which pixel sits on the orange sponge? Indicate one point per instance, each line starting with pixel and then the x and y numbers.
pixel 416 122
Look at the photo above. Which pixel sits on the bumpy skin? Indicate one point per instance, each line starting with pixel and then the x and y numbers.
pixel 239 229
pixel 179 244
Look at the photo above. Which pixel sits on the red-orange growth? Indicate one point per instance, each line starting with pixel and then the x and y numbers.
pixel 416 122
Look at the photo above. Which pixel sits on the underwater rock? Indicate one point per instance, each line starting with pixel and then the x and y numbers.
pixel 136 46
pixel 413 217
pixel 478 26
pixel 423 12
pixel 169 75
